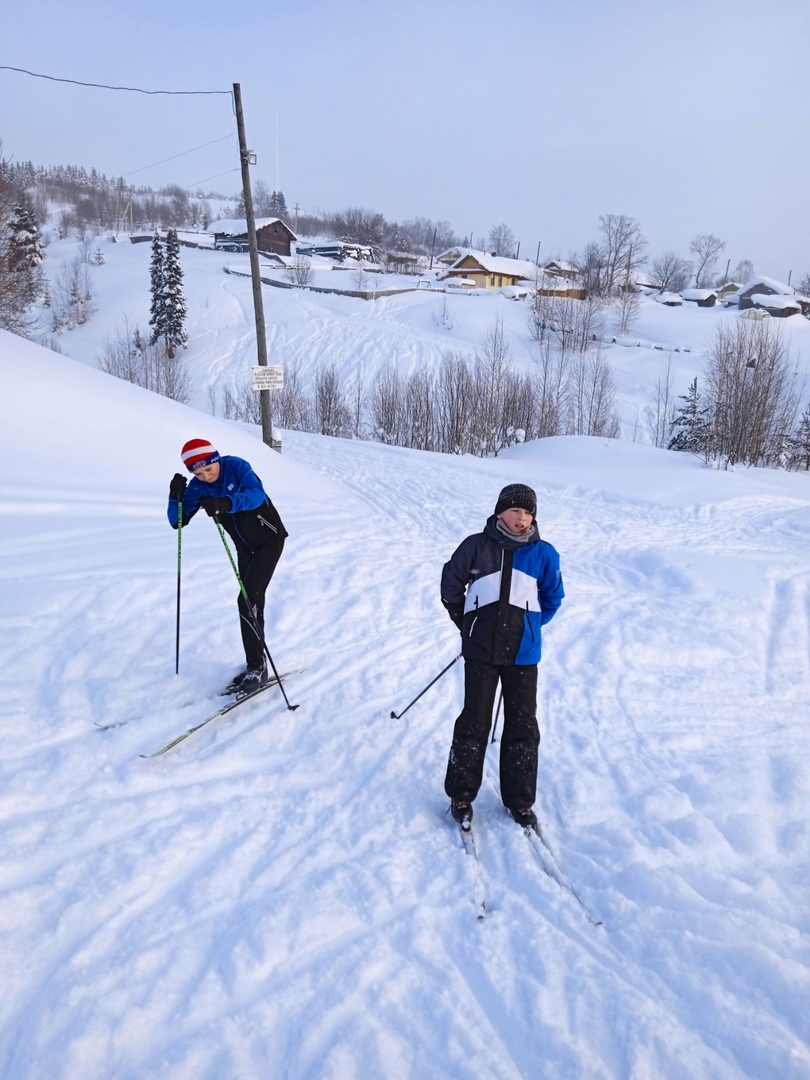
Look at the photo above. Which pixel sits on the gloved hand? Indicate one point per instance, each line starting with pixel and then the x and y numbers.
pixel 213 506
pixel 456 613
pixel 177 488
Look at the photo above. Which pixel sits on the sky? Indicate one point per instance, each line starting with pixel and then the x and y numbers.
pixel 686 117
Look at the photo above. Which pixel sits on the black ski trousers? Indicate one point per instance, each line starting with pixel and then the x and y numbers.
pixel 519 740
pixel 256 569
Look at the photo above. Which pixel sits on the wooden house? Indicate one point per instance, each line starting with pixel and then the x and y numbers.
pixel 560 268
pixel 701 297
pixel 761 286
pixel 491 271
pixel 776 305
pixel 272 235
pixel 728 291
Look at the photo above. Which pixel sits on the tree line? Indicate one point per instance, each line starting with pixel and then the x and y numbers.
pixel 476 405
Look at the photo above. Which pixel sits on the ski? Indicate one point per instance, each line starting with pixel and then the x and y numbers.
pixel 108 727
pixel 220 712
pixel 470 849
pixel 549 863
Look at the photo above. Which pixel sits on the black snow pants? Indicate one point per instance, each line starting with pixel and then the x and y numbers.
pixel 519 741
pixel 256 569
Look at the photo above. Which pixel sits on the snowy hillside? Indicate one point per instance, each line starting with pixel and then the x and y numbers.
pixel 282 895
pixel 308 330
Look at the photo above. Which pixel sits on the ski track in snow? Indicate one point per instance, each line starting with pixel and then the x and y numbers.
pixel 148 927
pixel 282 894
pixel 281 887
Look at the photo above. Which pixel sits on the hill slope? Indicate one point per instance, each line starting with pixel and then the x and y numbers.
pixel 282 894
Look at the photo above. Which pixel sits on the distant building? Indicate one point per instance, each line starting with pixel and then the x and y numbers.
pixel 451 255
pixel 701 297
pixel 728 291
pixel 761 286
pixel 339 250
pixel 560 268
pixel 401 262
pixel 272 235
pixel 778 307
pixel 491 271
pixel 773 296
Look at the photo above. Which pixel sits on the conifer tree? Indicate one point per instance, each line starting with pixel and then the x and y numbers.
pixel 692 428
pixel 25 252
pixel 157 312
pixel 278 204
pixel 25 246
pixel 174 299
pixel 799 443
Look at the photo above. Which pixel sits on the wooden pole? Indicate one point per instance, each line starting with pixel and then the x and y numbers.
pixel 258 307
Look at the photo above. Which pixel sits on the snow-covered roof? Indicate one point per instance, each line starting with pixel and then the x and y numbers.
pixel 779 301
pixel 771 283
pixel 698 294
pixel 561 264
pixel 499 264
pixel 453 253
pixel 238 226
pixel 670 299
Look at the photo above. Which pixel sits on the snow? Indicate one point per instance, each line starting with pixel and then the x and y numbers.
pixel 697 294
pixel 282 894
pixel 237 226
pixel 771 301
pixel 775 286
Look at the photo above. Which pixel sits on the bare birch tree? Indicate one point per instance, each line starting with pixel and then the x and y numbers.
pixel 706 248
pixel 754 392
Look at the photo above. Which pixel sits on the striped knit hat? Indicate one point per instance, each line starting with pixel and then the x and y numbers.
pixel 197 453
pixel 517 495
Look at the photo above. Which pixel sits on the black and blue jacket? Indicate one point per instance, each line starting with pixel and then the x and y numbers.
pixel 253 520
pixel 500 592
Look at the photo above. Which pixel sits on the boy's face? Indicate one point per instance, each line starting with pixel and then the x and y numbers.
pixel 516 520
pixel 208 474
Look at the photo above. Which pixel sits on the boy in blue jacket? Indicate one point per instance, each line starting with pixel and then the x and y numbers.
pixel 228 489
pixel 499 588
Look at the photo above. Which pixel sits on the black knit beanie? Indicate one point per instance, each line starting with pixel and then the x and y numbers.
pixel 518 495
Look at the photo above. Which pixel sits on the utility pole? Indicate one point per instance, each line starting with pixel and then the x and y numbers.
pixel 258 308
pixel 296 208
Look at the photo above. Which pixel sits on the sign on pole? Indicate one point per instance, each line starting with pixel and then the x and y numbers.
pixel 268 378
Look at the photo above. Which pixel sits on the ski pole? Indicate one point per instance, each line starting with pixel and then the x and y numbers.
pixel 396 716
pixel 254 624
pixel 179 551
pixel 497 714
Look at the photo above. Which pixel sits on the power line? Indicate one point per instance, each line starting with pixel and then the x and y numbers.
pixel 197 183
pixel 154 164
pixel 104 86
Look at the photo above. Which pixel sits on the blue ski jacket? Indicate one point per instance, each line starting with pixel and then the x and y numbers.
pixel 499 592
pixel 253 520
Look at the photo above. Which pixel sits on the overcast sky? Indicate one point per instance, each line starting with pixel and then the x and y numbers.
pixel 690 117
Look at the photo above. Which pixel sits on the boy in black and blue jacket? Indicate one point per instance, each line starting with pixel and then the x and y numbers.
pixel 499 588
pixel 228 490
